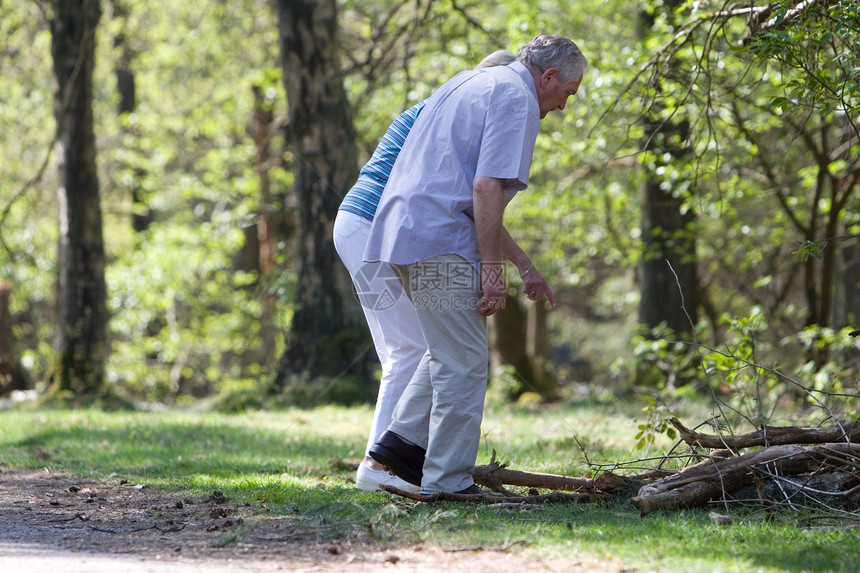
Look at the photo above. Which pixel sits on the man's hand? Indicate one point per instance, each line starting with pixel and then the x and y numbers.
pixel 493 287
pixel 535 286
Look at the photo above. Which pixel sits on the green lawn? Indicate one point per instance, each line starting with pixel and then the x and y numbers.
pixel 295 465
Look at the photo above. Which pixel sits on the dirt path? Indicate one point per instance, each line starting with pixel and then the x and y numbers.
pixel 51 522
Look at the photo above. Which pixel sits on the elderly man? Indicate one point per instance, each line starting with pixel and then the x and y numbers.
pixel 439 225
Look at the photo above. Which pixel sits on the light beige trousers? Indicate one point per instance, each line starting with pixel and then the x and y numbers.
pixel 443 405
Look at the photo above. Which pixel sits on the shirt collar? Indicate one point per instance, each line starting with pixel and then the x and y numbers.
pixel 525 75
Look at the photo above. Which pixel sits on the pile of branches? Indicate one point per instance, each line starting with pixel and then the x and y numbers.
pixel 774 466
pixel 782 465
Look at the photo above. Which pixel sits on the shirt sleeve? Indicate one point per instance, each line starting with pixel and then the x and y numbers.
pixel 508 139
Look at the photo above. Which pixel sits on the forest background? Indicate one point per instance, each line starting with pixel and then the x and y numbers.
pixel 171 172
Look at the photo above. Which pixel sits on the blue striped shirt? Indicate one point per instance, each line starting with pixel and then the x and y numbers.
pixel 364 196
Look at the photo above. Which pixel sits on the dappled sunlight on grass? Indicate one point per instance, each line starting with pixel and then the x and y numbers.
pixel 298 466
pixel 181 444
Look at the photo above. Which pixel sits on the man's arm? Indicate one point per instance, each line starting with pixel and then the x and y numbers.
pixel 489 207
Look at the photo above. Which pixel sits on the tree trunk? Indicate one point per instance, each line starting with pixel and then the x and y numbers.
pixel 327 337
pixel 668 271
pixel 80 340
pixel 668 279
pixel 126 87
pixel 848 308
pixel 537 342
pixel 509 337
pixel 12 374
pixel 261 126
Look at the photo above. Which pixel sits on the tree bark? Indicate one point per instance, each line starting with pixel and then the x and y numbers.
pixel 537 344
pixel 328 337
pixel 668 279
pixel 261 127
pixel 668 269
pixel 80 340
pixel 770 436
pixel 126 87
pixel 847 311
pixel 508 346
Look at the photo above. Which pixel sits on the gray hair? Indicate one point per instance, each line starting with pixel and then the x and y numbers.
pixel 553 51
pixel 497 58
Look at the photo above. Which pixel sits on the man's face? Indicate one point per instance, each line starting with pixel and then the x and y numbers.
pixel 552 93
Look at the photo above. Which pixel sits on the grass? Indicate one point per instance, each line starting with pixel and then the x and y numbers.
pixel 292 465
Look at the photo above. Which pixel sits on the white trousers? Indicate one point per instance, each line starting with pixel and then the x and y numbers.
pixel 443 405
pixel 390 315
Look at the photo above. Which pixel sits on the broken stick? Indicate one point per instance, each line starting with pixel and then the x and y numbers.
pixel 495 475
pixel 770 436
pixel 490 498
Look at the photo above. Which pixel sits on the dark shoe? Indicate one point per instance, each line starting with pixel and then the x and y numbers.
pixel 471 490
pixel 406 461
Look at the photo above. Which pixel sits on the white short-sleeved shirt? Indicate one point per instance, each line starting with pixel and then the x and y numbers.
pixel 479 123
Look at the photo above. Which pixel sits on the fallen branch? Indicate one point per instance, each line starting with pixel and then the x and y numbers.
pixel 770 436
pixel 491 498
pixel 495 475
pixel 697 486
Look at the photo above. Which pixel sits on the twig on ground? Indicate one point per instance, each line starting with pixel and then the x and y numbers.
pixel 491 498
